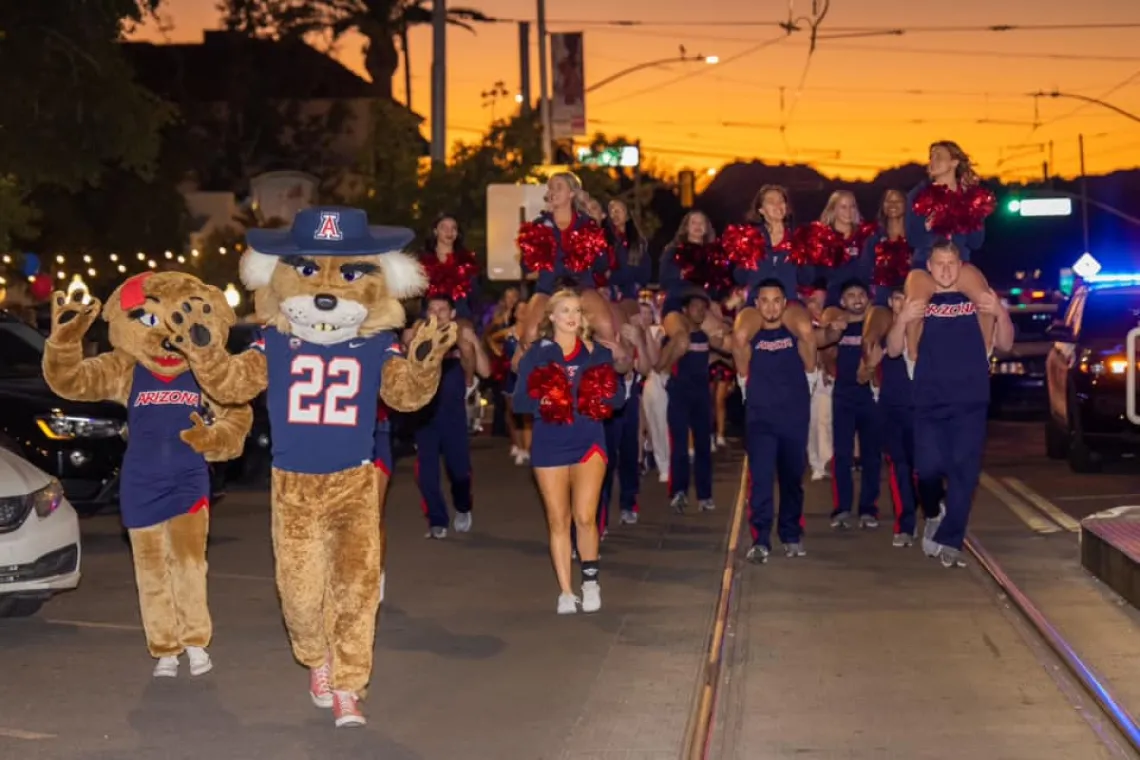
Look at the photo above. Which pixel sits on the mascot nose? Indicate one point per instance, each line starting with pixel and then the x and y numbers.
pixel 324 302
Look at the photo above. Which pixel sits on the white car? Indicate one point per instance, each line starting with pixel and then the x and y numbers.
pixel 39 537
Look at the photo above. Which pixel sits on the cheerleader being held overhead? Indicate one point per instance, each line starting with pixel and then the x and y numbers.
pixel 566 247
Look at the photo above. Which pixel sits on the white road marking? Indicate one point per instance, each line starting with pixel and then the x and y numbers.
pixel 15 733
pixel 1051 510
pixel 91 624
pixel 240 577
pixel 1028 516
pixel 1098 496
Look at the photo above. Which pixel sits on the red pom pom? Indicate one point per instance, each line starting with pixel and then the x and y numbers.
pixel 706 266
pixel 951 212
pixel 598 385
pixel 452 278
pixel 892 262
pixel 40 288
pixel 536 247
pixel 582 246
pixel 551 386
pixel 744 244
pixel 500 368
pixel 816 245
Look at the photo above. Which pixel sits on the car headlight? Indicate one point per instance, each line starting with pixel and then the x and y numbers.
pixel 61 427
pixel 47 499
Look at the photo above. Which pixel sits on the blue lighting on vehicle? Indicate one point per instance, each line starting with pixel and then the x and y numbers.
pixel 1117 278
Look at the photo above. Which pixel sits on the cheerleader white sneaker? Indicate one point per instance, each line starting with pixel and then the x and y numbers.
pixel 200 662
pixel 166 667
pixel 567 604
pixel 591 596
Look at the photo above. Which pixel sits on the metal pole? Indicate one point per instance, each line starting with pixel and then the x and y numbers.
pixel 543 86
pixel 1084 193
pixel 524 66
pixel 637 186
pixel 439 82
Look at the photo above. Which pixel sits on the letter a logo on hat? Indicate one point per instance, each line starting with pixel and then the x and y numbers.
pixel 329 228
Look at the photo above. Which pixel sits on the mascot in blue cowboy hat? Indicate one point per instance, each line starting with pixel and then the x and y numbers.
pixel 328 291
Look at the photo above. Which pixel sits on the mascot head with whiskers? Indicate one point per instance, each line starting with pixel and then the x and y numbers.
pixel 331 277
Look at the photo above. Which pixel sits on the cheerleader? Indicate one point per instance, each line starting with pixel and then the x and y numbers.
pixel 819 434
pixel 630 266
pixel 847 239
pixel 565 245
pixel 722 374
pixel 450 268
pixel 570 384
pixel 693 259
pixel 504 344
pixel 770 256
pixel 952 205
pixel 889 261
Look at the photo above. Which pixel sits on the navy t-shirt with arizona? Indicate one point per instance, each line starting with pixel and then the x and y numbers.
pixel 162 476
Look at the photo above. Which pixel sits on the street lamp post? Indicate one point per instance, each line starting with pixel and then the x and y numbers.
pixel 682 58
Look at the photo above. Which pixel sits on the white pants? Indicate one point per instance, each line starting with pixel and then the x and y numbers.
pixel 819 434
pixel 655 407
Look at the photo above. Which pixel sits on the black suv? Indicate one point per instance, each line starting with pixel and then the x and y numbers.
pixel 1086 376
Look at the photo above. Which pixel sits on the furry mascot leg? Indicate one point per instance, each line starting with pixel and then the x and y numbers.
pixel 327 541
pixel 170 571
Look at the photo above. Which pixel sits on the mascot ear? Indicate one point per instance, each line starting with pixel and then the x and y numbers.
pixel 403 274
pixel 256 269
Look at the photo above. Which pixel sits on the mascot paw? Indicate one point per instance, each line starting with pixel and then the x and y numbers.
pixel 431 343
pixel 196 329
pixel 70 317
pixel 200 437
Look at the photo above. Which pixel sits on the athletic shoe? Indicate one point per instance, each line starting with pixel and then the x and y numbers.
pixel 462 522
pixel 758 554
pixel 166 667
pixel 591 596
pixel 200 663
pixel 567 604
pixel 795 550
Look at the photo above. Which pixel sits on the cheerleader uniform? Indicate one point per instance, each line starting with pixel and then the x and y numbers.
pixel 690 410
pixel 441 433
pixel 712 277
pixel 952 394
pixel 882 282
pixel 622 442
pixel 556 444
pixel 777 413
pixel 859 265
pixel 922 239
pixel 382 443
pixel 854 412
pixel 626 280
pixel 550 281
pixel 773 265
pixel 454 278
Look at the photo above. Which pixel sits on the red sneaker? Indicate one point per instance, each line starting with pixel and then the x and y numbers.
pixel 346 709
pixel 319 689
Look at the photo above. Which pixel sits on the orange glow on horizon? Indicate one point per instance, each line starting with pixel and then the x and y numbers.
pixel 867 103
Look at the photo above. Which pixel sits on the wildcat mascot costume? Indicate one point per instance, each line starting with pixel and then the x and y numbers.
pixel 173 430
pixel 328 291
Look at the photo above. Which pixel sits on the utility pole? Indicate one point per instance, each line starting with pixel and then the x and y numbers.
pixel 1084 193
pixel 524 66
pixel 439 82
pixel 543 86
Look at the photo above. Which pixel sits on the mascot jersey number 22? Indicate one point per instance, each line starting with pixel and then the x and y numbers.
pixel 173 431
pixel 328 291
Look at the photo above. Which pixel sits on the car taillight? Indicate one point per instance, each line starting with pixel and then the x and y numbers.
pixel 1111 365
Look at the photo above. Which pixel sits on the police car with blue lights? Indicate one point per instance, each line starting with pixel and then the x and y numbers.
pixel 1091 372
pixel 1017 376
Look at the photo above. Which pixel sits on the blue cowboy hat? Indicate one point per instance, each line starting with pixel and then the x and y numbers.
pixel 329 231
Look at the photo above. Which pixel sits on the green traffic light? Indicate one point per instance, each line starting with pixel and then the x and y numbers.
pixel 1013 206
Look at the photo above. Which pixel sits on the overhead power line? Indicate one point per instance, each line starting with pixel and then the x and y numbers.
pixel 783 24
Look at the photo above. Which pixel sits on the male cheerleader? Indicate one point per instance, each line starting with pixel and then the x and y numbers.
pixel 777 401
pixel 686 362
pixel 854 412
pixel 951 389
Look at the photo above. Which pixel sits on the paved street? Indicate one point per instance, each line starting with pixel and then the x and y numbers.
pixel 471 660
pixel 858 650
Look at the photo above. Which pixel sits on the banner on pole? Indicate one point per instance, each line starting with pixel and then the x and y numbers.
pixel 568 93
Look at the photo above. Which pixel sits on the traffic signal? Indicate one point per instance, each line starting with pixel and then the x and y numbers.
pixel 687 183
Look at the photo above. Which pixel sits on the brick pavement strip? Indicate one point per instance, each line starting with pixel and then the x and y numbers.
pixel 471 660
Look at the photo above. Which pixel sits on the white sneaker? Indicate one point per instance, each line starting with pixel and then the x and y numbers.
pixel 166 667
pixel 628 517
pixel 567 604
pixel 720 442
pixel 591 596
pixel 200 663
pixel 817 475
pixel 929 528
pixel 514 452
pixel 462 522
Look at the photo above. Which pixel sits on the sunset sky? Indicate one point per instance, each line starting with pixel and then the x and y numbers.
pixel 867 102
